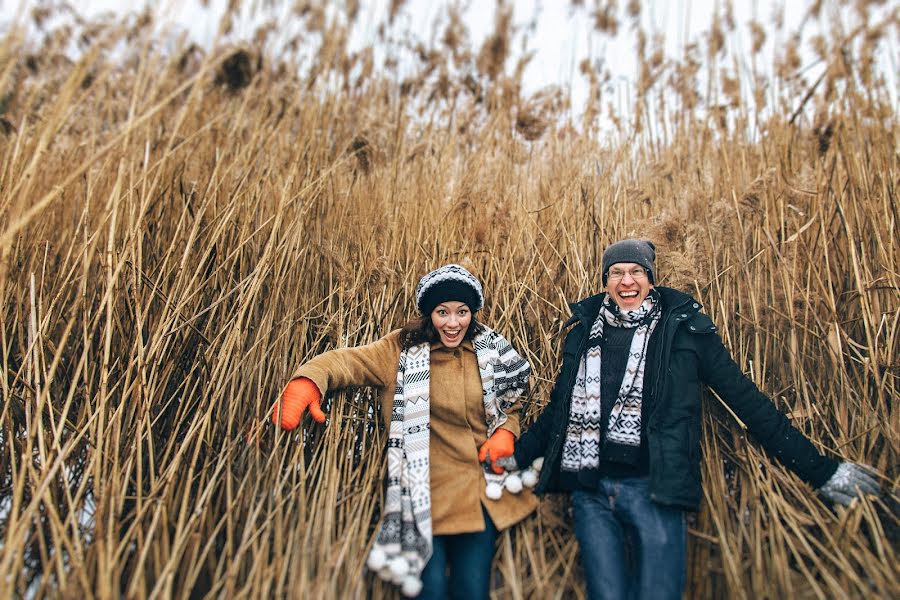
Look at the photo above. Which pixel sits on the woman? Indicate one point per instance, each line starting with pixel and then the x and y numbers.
pixel 450 393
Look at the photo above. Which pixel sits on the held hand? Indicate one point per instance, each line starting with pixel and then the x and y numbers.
pixel 848 482
pixel 507 463
pixel 499 445
pixel 299 394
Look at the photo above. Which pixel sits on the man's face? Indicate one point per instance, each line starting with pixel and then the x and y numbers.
pixel 628 284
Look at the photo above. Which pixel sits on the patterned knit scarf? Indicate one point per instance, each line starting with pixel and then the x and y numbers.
pixel 403 544
pixel 582 446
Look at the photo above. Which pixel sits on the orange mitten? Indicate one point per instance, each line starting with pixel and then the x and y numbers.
pixel 499 445
pixel 297 395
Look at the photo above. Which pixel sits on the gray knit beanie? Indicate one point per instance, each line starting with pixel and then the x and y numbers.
pixel 450 282
pixel 641 252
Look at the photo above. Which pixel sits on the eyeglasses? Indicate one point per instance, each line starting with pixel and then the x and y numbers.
pixel 637 274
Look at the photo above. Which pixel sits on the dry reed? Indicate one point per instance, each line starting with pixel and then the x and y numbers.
pixel 179 229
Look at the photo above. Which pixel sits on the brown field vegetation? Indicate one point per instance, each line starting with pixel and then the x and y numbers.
pixel 180 227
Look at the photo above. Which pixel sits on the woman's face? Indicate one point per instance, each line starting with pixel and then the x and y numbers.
pixel 451 319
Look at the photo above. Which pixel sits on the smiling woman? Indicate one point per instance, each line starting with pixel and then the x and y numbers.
pixel 451 319
pixel 450 391
pixel 447 298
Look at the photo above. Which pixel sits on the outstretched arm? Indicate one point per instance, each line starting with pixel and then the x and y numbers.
pixel 371 364
pixel 839 482
pixel 766 423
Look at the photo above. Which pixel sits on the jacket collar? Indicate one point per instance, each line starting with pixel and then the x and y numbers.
pixel 464 345
pixel 586 310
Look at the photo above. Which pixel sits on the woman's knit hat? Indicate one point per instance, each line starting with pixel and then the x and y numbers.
pixel 641 252
pixel 450 282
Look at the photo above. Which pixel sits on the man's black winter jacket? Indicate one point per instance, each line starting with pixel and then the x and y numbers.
pixel 688 353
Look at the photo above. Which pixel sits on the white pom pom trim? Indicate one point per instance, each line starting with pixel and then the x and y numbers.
pixel 493 491
pixel 529 478
pixel 538 464
pixel 384 573
pixel 399 567
pixel 513 483
pixel 377 559
pixel 411 586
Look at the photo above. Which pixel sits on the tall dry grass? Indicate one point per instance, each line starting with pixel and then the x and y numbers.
pixel 181 228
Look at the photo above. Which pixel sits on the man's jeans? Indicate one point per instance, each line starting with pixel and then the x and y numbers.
pixel 631 548
pixel 469 557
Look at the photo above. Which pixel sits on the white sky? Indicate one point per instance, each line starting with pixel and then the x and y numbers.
pixel 561 38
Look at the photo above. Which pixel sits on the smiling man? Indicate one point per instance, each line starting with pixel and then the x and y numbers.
pixel 622 430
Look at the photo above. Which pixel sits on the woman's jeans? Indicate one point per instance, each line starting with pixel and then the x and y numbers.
pixel 631 548
pixel 460 565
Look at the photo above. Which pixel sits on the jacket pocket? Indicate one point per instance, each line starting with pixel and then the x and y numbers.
pixel 674 454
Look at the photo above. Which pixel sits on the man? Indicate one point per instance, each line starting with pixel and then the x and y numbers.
pixel 622 430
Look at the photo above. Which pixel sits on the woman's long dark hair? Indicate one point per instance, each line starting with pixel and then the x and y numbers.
pixel 421 330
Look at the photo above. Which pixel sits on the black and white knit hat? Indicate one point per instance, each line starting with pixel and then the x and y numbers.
pixel 450 282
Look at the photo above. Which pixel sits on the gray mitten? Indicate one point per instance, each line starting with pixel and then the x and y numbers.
pixel 507 462
pixel 848 482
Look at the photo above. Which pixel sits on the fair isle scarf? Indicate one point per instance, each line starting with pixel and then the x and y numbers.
pixel 403 544
pixel 582 446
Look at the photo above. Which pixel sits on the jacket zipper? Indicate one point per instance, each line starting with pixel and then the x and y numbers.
pixel 670 325
pixel 668 334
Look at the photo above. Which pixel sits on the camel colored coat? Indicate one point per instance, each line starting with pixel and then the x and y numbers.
pixel 458 427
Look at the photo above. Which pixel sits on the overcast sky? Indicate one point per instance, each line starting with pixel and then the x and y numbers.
pixel 560 35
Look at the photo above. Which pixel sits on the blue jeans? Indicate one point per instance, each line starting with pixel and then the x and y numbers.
pixel 631 548
pixel 460 565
